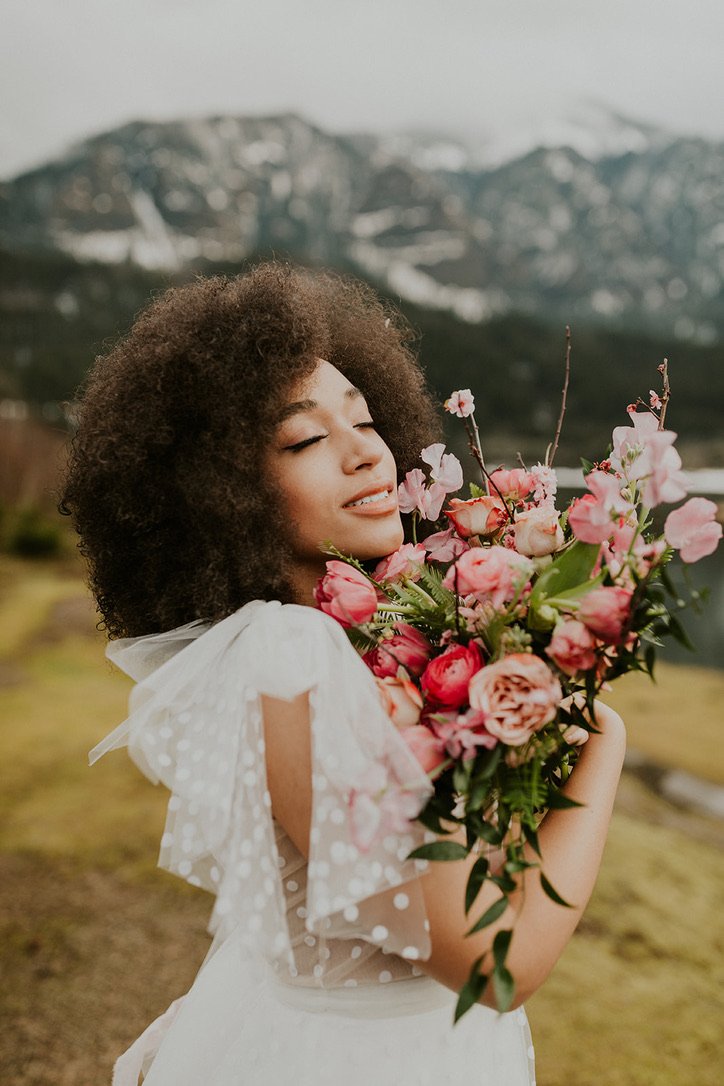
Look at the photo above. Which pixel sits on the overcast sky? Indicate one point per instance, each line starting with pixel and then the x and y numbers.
pixel 71 68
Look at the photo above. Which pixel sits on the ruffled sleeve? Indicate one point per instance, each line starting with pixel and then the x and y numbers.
pixel 196 725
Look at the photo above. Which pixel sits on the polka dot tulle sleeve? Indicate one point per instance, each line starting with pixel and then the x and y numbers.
pixel 196 725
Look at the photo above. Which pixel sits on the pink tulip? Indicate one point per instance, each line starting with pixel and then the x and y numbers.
pixel 346 594
pixel 406 648
pixel 572 647
pixel 605 611
pixel 693 530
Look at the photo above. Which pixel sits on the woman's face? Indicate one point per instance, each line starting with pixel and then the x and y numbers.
pixel 326 456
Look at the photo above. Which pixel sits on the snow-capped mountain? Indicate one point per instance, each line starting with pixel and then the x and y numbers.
pixel 598 218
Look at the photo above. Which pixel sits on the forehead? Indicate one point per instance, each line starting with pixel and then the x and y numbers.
pixel 325 387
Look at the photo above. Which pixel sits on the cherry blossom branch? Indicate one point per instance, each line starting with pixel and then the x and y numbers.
pixel 664 371
pixel 550 453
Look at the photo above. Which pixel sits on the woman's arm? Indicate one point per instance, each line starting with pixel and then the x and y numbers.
pixel 571 843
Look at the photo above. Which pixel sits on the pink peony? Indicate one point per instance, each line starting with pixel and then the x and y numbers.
pixel 346 594
pixel 605 611
pixel 494 574
pixel 515 484
pixel 445 679
pixel 426 746
pixel 401 699
pixel 404 562
pixel 483 517
pixel 693 530
pixel 460 403
pixel 407 648
pixel 519 695
pixel 445 546
pixel 572 647
pixel 537 532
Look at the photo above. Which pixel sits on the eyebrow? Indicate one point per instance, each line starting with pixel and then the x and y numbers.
pixel 309 405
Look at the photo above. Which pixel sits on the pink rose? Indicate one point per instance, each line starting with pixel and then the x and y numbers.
pixel 406 648
pixel 514 484
pixel 537 532
pixel 445 546
pixel 572 647
pixel 401 699
pixel 427 748
pixel 483 517
pixel 518 694
pixel 445 679
pixel 490 573
pixel 692 529
pixel 605 611
pixel 346 594
pixel 404 562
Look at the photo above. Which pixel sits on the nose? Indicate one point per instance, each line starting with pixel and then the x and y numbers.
pixel 364 450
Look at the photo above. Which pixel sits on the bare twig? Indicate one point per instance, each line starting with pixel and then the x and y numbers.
pixel 474 442
pixel 664 371
pixel 549 459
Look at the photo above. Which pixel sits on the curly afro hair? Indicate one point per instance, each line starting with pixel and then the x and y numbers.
pixel 164 480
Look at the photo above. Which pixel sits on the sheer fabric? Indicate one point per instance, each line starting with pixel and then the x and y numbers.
pixel 348 925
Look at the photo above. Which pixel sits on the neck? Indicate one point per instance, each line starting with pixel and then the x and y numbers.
pixel 303 580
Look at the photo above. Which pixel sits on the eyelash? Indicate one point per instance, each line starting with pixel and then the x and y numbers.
pixel 312 440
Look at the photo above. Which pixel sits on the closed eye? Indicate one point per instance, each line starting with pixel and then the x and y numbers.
pixel 312 440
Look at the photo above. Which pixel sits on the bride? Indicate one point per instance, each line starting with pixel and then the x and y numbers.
pixel 240 425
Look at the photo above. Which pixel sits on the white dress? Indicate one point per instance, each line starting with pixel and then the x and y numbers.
pixel 311 977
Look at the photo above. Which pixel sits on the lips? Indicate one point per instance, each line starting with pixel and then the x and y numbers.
pixel 369 490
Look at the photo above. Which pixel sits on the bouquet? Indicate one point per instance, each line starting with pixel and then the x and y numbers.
pixel 489 636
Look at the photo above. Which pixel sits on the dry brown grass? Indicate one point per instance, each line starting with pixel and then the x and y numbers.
pixel 97 941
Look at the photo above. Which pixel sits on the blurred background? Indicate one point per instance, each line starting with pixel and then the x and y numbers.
pixel 498 170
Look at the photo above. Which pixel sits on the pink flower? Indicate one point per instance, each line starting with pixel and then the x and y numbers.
pixel 545 484
pixel 460 403
pixel 654 400
pixel 427 747
pixel 405 562
pixel 659 470
pixel 445 468
pixel 462 733
pixel 629 441
pixel 693 530
pixel 515 484
pixel 346 594
pixel 519 695
pixel 490 573
pixel 401 699
pixel 407 648
pixel 411 494
pixel 537 531
pixel 590 516
pixel 605 611
pixel 445 546
pixel 572 647
pixel 483 517
pixel 378 806
pixel 445 679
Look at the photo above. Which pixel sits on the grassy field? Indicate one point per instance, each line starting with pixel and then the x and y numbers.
pixel 97 941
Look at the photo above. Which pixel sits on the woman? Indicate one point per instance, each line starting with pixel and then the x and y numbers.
pixel 239 427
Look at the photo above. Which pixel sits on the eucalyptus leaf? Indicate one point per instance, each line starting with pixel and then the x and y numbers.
pixel 490 915
pixel 553 893
pixel 439 850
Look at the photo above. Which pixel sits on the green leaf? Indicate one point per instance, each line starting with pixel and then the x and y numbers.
pixel 552 893
pixel 486 831
pixel 476 491
pixel 504 986
pixel 501 942
pixel 439 850
pixel 471 991
pixel 490 915
pixel 558 802
pixel 569 575
pixel 476 878
pixel 531 836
